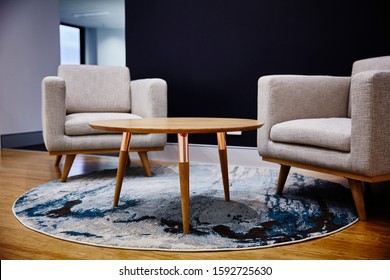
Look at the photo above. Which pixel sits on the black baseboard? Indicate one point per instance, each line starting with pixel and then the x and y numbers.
pixel 29 140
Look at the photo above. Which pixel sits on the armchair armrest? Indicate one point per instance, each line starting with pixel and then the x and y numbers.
pixel 288 97
pixel 53 112
pixel 370 117
pixel 149 98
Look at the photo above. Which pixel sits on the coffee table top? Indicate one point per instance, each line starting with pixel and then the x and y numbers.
pixel 177 125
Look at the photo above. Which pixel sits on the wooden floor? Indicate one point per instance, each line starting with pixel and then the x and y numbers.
pixel 22 170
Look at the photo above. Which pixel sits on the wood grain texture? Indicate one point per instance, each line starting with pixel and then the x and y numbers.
pixel 177 125
pixel 21 171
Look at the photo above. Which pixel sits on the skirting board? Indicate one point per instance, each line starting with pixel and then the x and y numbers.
pixel 237 155
pixel 248 156
pixel 17 140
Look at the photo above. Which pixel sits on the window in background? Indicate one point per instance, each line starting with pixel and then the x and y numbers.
pixel 70 45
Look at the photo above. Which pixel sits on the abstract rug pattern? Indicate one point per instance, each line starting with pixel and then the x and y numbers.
pixel 148 216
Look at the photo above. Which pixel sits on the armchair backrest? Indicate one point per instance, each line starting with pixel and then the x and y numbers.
pixel 375 63
pixel 92 88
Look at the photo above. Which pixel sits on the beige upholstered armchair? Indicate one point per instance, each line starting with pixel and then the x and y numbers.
pixel 84 93
pixel 336 125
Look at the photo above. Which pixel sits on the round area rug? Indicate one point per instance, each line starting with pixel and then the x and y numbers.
pixel 148 216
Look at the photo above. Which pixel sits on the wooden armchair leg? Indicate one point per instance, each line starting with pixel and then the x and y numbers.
pixel 58 159
pixel 283 173
pixel 357 194
pixel 68 164
pixel 128 162
pixel 145 163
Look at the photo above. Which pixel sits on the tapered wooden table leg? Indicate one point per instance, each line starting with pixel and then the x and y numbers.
pixel 184 172
pixel 123 155
pixel 224 163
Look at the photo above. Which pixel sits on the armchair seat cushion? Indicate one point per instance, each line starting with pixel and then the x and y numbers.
pixel 78 124
pixel 329 133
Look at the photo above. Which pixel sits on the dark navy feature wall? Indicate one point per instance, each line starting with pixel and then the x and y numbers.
pixel 212 52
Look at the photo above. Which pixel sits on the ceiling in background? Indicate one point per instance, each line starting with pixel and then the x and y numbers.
pixel 93 13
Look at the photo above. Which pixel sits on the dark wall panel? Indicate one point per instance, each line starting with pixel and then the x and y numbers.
pixel 212 52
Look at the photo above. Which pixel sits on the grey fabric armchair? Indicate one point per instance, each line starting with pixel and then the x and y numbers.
pixel 336 125
pixel 84 93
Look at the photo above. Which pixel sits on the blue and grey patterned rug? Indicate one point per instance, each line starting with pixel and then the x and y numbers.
pixel 149 213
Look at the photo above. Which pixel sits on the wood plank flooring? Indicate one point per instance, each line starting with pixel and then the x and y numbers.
pixel 23 170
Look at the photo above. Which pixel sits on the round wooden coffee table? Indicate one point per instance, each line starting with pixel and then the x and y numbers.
pixel 182 127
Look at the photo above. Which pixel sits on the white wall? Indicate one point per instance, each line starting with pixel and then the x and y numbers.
pixel 111 47
pixel 90 46
pixel 29 51
pixel 104 46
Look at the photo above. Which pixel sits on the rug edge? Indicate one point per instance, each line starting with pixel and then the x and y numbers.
pixel 184 250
